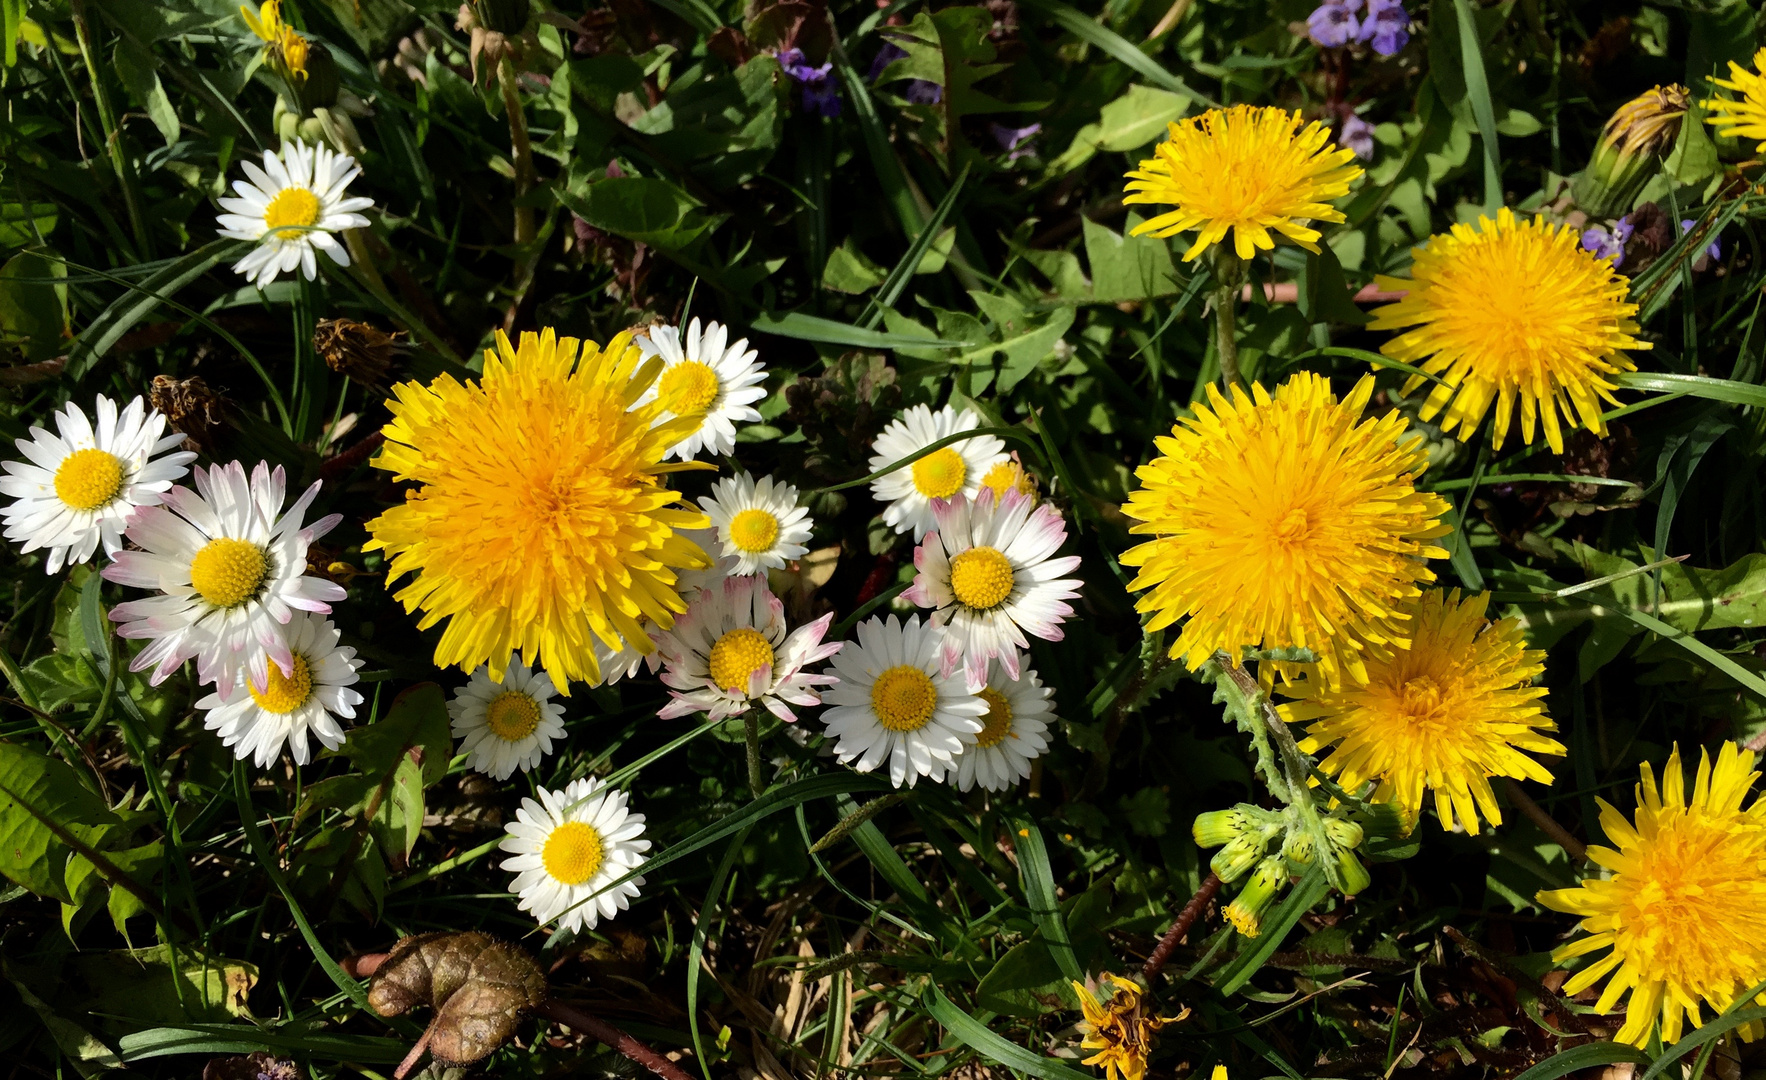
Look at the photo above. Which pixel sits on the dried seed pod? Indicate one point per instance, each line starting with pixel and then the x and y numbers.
pixel 362 352
pixel 478 986
pixel 191 407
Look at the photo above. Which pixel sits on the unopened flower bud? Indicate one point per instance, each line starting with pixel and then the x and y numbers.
pixel 1297 848
pixel 1217 827
pixel 1238 856
pixel 1355 876
pixel 1635 139
pixel 507 17
pixel 1343 832
pixel 1245 913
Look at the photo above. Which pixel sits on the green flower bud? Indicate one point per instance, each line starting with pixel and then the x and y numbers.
pixel 1218 827
pixel 1355 876
pixel 1245 913
pixel 1239 855
pixel 1297 848
pixel 1637 137
pixel 319 89
pixel 1343 832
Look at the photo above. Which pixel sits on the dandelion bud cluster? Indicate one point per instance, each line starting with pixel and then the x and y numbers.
pixel 1272 846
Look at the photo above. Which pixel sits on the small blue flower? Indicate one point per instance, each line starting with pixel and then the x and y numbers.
pixel 1333 24
pixel 919 91
pixel 1015 141
pixel 1714 251
pixel 1386 26
pixel 819 96
pixel 1604 243
pixel 1357 135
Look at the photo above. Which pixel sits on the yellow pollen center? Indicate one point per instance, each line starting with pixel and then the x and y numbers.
pixel 512 716
pixel 285 693
pixel 687 388
pixel 903 698
pixel 754 530
pixel 227 572
pixel 997 724
pixel 940 474
pixel 292 208
pixel 1295 527
pixel 981 577
pixel 573 853
pixel 1423 699
pixel 737 656
pixel 87 479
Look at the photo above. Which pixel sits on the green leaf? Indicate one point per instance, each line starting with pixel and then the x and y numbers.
pixel 1694 158
pixel 134 65
pixel 138 302
pixel 1471 51
pixel 1086 29
pixel 245 1038
pixel 33 308
pixel 1725 390
pixel 1023 340
pixel 1022 981
pixel 1325 296
pixel 47 814
pixel 1589 1056
pixel 24 223
pixel 976 1035
pixel 1126 267
pixel 849 271
pixel 163 985
pixel 640 208
pixel 796 324
pixel 1140 116
pixel 1039 892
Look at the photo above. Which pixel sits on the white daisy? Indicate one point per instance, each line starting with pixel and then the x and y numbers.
pixel 229 565
pixel 1013 730
pixel 508 725
pixel 730 651
pixel 691 582
pixel 568 847
pixel 291 207
pixel 989 576
pixel 78 488
pixel 701 377
pixel 758 522
pixel 256 717
pixel 894 703
pixel 957 469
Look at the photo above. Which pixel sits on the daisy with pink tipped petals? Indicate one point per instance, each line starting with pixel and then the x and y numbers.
pixel 229 565
pixel 731 651
pixel 989 573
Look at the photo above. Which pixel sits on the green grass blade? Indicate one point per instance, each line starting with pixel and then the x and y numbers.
pixel 996 1048
pixel 1478 91
pixel 1724 390
pixel 1309 891
pixel 1039 891
pixel 898 277
pixel 796 324
pixel 1091 32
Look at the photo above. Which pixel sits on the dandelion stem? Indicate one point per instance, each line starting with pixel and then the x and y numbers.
pixel 521 148
pixel 575 1016
pixel 751 727
pixel 1229 276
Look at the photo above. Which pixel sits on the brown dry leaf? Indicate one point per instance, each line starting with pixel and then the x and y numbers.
pixel 478 986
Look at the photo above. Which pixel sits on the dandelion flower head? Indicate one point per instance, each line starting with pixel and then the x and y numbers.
pixel 1119 1028
pixel 1682 906
pixel 1447 712
pixel 541 522
pixel 1282 522
pixel 1512 310
pixel 1249 169
pixel 1744 118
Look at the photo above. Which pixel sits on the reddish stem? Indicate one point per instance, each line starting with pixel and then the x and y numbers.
pixel 333 467
pixel 1185 919
pixel 574 1016
pixel 416 1054
pixel 362 965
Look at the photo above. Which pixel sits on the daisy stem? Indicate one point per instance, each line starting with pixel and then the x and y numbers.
pixel 1229 276
pixel 751 727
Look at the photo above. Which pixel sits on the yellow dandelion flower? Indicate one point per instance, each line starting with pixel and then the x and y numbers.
pixel 1284 522
pixel 266 22
pixel 1683 907
pixel 1447 712
pixel 1745 118
pixel 1512 309
pixel 1119 1029
pixel 542 522
pixel 294 52
pixel 1246 168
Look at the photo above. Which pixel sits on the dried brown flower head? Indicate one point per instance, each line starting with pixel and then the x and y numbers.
pixel 364 353
pixel 192 407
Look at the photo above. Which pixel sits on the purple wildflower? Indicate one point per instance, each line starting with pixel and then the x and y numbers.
pixel 819 97
pixel 1015 141
pixel 1357 135
pixel 1622 229
pixel 1333 24
pixel 1386 26
pixel 1713 252
pixel 919 91
pixel 1604 243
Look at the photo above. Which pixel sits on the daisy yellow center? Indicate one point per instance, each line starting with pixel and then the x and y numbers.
pixel 687 388
pixel 512 716
pixel 1512 312
pixel 1248 170
pixel 1284 521
pixel 88 479
pixel 997 723
pixel 1006 476
pixel 292 208
pixel 573 853
pixel 227 572
pixel 754 530
pixel 981 577
pixel 284 693
pixel 904 698
pixel 737 656
pixel 1448 709
pixel 940 474
pixel 540 523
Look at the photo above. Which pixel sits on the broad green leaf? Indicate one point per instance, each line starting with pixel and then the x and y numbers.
pixel 1691 599
pixel 1089 30
pixel 134 65
pixel 849 271
pixel 46 814
pixel 640 208
pixel 1694 158
pixel 24 223
pixel 162 985
pixel 1140 116
pixel 33 309
pixel 1125 267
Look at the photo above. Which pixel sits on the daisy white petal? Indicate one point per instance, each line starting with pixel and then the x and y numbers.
pixel 758 522
pixel 288 207
pixel 257 716
pixel 953 471
pixel 1014 730
pixel 704 377
pixel 508 725
pixel 731 652
pixel 569 847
